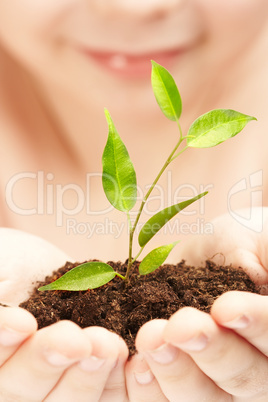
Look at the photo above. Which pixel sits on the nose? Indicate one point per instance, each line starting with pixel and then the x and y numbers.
pixel 138 8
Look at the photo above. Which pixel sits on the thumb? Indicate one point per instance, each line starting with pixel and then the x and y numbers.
pixel 233 243
pixel 24 259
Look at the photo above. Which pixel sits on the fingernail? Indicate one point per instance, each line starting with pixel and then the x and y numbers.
pixel 91 363
pixel 144 378
pixel 57 359
pixel 10 337
pixel 239 322
pixel 164 354
pixel 194 344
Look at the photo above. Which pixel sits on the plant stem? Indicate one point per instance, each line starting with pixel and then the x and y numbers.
pixel 129 220
pixel 120 276
pixel 175 156
pixel 137 256
pixel 132 229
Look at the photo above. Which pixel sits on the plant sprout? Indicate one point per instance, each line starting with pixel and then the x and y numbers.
pixel 120 186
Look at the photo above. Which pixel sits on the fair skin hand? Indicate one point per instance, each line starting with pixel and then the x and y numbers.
pixel 224 354
pixel 61 362
pixel 239 239
pixel 53 129
pixel 51 116
pixel 190 348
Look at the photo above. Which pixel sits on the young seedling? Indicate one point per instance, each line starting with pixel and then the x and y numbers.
pixel 120 186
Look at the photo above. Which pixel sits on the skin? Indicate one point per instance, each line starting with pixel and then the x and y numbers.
pixel 190 348
pixel 61 362
pixel 51 121
pixel 52 100
pixel 225 353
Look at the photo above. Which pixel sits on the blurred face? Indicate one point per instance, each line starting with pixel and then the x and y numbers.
pixel 99 48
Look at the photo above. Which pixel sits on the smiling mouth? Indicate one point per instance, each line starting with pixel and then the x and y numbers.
pixel 131 66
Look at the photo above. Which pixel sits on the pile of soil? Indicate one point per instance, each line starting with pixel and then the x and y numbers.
pixel 124 308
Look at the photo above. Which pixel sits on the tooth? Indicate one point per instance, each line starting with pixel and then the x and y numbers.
pixel 118 61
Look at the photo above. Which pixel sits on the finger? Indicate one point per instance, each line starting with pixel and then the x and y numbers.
pixel 242 246
pixel 24 260
pixel 247 314
pixel 87 379
pixel 229 360
pixel 36 367
pixel 16 325
pixel 142 385
pixel 175 370
pixel 115 388
pixel 244 254
pixel 250 263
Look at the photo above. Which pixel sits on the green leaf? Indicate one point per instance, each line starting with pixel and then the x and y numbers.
pixel 118 177
pixel 215 127
pixel 166 92
pixel 156 222
pixel 86 276
pixel 155 258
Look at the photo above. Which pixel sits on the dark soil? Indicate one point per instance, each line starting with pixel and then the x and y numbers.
pixel 125 308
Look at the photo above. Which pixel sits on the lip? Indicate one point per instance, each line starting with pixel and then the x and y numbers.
pixel 129 65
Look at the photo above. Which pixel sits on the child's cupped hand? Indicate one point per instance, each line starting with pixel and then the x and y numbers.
pixel 239 238
pixel 220 356
pixel 192 356
pixel 61 362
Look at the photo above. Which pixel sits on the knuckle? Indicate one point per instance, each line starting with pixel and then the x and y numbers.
pixel 155 397
pixel 251 381
pixel 114 387
pixel 8 396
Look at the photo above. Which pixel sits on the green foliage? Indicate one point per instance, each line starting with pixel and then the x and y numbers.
pixel 90 275
pixel 156 222
pixel 119 177
pixel 215 127
pixel 166 92
pixel 155 258
pixel 120 187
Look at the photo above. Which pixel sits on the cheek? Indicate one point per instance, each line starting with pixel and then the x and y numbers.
pixel 26 24
pixel 33 12
pixel 238 8
pixel 231 25
pixel 229 17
